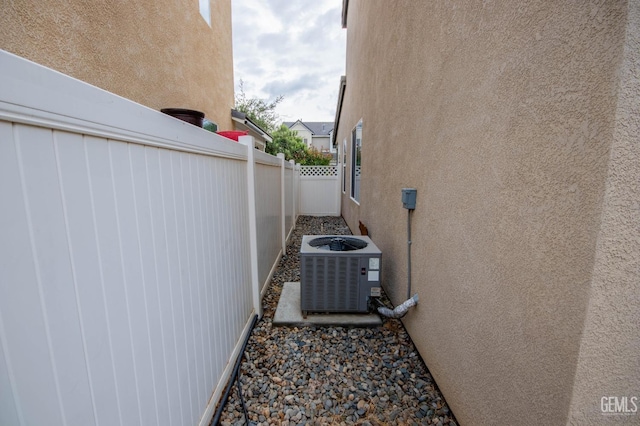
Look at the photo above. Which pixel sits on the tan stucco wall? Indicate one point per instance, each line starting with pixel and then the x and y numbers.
pixel 609 360
pixel 158 53
pixel 507 118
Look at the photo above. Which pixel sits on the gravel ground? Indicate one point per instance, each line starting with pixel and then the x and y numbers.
pixel 331 375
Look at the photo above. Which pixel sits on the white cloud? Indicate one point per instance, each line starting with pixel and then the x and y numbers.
pixel 291 48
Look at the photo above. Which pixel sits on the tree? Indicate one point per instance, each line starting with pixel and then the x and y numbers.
pixel 291 145
pixel 314 157
pixel 288 142
pixel 285 140
pixel 260 111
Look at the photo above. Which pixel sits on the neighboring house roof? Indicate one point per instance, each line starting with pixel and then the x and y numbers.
pixel 290 124
pixel 317 128
pixel 241 117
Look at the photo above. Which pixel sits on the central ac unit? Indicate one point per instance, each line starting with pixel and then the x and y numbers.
pixel 338 273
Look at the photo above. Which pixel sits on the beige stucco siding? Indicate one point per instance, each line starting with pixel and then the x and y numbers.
pixel 158 53
pixel 507 118
pixel 609 360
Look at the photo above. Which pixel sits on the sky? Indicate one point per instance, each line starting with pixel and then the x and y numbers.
pixel 294 48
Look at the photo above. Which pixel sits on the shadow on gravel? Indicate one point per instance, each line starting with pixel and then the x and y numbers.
pixel 331 375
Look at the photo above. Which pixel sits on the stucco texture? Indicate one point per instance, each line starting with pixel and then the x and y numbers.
pixel 609 360
pixel 161 54
pixel 518 127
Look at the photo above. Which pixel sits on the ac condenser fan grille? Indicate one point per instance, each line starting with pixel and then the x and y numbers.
pixel 337 243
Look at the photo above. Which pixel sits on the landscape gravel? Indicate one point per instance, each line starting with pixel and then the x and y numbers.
pixel 331 375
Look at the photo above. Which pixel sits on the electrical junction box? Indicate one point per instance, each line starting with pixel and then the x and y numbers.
pixel 409 198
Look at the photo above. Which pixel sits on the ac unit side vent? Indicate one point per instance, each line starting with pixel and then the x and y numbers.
pixel 335 284
pixel 337 280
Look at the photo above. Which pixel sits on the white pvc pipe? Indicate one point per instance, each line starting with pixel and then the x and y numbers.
pixel 400 310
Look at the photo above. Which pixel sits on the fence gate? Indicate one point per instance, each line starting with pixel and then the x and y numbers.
pixel 319 191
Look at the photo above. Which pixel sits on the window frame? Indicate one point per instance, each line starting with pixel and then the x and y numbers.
pixel 355 148
pixel 343 160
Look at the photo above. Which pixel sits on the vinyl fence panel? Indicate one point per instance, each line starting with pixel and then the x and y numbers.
pixel 319 191
pixel 126 281
pixel 268 198
pixel 288 197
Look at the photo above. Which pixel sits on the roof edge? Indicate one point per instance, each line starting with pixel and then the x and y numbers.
pixel 301 122
pixel 345 9
pixel 243 118
pixel 336 122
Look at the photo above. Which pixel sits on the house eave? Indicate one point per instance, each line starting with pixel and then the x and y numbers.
pixel 336 122
pixel 304 125
pixel 242 119
pixel 345 9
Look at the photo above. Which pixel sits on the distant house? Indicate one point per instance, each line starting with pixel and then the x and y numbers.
pixel 243 123
pixel 316 134
pixel 137 50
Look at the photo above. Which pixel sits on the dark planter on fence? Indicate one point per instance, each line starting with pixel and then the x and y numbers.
pixel 189 115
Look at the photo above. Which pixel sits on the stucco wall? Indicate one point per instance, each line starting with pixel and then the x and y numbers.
pixel 504 117
pixel 158 53
pixel 609 361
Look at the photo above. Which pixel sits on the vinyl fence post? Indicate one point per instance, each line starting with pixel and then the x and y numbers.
pixel 297 190
pixel 293 195
pixel 338 188
pixel 283 211
pixel 253 230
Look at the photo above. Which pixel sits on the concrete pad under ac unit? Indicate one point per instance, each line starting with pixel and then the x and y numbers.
pixel 288 313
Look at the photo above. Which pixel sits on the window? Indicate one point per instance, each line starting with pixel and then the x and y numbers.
pixel 344 166
pixel 205 10
pixel 356 160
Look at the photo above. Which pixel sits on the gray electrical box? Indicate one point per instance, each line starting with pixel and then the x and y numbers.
pixel 409 198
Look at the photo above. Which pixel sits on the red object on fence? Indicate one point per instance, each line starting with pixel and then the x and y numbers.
pixel 233 134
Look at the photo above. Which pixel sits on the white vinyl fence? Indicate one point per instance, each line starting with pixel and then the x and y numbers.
pixel 133 250
pixel 276 219
pixel 319 191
